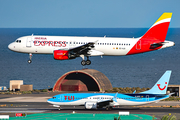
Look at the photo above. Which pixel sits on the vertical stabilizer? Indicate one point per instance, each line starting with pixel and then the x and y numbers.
pixel 161 86
pixel 159 29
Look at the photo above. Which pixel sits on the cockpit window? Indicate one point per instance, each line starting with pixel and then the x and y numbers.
pixel 18 41
pixel 54 97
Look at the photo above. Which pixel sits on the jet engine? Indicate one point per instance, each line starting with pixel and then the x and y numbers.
pixel 63 55
pixel 91 105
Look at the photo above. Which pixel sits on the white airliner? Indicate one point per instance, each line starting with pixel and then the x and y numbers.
pixel 109 100
pixel 66 47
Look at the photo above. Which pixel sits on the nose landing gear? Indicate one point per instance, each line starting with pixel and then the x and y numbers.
pixel 30 57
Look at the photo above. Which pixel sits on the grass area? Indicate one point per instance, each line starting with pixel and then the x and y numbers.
pixel 172 98
pixel 82 116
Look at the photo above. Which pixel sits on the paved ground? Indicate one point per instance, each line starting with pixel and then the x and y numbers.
pixel 36 103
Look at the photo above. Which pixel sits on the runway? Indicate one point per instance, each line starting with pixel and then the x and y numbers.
pixel 36 103
pixel 11 108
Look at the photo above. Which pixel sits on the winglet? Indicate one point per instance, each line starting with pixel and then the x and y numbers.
pixel 159 29
pixel 134 92
pixel 115 97
pixel 161 86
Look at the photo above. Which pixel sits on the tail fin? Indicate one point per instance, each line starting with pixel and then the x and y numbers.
pixel 159 29
pixel 161 86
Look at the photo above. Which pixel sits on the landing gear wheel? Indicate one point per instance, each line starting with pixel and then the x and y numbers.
pixel 30 57
pixel 83 62
pixel 88 62
pixel 29 61
pixel 108 108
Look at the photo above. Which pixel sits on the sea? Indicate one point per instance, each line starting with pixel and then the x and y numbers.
pixel 140 70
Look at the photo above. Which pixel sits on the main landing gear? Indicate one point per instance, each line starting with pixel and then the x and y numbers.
pixel 108 108
pixel 85 62
pixel 30 57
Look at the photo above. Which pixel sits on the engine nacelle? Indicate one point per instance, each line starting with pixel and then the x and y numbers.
pixel 56 106
pixel 61 54
pixel 91 105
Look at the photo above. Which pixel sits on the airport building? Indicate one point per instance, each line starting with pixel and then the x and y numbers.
pixel 83 80
pixel 174 89
pixel 17 85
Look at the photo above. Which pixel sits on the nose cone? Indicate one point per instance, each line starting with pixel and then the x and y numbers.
pixel 11 46
pixel 14 47
pixel 49 100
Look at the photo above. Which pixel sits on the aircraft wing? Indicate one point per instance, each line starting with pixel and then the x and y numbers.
pixel 82 49
pixel 104 103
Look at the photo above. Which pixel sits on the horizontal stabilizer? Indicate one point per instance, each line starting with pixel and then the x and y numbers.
pixel 156 45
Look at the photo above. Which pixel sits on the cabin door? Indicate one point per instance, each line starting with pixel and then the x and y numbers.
pixel 28 42
pixel 61 98
pixel 147 98
pixel 138 45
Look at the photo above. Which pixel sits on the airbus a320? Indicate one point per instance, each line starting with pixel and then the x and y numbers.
pixel 66 47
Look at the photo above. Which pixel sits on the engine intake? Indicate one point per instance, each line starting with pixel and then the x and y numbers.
pixel 91 105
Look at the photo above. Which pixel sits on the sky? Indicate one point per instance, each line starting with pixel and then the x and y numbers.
pixel 86 13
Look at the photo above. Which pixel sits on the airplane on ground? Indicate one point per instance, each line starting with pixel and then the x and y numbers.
pixel 109 100
pixel 66 47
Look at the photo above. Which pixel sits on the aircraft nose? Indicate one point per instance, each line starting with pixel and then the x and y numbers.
pixel 10 46
pixel 49 100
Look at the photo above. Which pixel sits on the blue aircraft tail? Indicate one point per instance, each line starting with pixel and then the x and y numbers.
pixel 161 86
